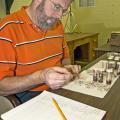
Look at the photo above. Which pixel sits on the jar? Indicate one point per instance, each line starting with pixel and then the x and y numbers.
pixel 100 77
pixel 95 74
pixel 109 75
pixel 116 59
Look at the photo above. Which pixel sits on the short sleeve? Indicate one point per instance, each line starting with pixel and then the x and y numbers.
pixel 7 53
pixel 65 50
pixel 66 54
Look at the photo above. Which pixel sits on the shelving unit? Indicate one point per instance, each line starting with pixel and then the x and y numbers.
pixel 82 47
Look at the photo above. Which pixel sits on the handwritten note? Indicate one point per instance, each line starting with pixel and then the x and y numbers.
pixel 42 108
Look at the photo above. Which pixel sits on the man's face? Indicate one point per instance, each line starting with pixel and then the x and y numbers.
pixel 50 11
pixel 44 21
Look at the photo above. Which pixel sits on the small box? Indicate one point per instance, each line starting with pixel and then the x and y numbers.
pixel 115 38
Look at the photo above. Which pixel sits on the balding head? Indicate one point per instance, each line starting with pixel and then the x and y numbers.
pixel 46 13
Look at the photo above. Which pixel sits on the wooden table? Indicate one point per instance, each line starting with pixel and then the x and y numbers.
pixel 75 40
pixel 105 48
pixel 110 103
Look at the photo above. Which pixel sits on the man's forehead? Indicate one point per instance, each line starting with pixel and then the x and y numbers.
pixel 63 3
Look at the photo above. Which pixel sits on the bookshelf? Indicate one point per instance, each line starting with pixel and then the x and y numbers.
pixel 81 46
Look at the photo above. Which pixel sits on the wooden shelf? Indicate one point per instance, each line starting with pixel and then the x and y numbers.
pixel 84 44
pixel 81 63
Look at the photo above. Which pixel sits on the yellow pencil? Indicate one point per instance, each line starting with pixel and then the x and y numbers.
pixel 59 109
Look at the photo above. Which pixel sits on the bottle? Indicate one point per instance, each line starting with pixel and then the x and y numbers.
pixel 100 79
pixel 109 73
pixel 110 60
pixel 105 65
pixel 95 75
pixel 118 70
pixel 116 59
pixel 110 56
pixel 111 64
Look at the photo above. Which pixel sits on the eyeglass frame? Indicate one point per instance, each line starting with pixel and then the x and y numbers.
pixel 58 8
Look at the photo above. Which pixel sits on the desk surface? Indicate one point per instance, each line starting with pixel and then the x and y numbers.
pixel 108 48
pixel 110 103
pixel 75 36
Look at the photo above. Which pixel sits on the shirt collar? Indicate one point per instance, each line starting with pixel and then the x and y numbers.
pixel 25 16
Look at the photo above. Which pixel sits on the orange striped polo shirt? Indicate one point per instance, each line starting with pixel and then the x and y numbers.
pixel 24 48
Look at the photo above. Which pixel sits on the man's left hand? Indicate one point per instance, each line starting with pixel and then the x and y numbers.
pixel 74 69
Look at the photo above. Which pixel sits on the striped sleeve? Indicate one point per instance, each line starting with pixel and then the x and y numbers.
pixel 65 50
pixel 7 52
pixel 66 54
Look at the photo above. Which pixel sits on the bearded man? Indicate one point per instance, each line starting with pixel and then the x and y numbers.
pixel 33 53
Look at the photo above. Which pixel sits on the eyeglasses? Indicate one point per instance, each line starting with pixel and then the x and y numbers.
pixel 58 8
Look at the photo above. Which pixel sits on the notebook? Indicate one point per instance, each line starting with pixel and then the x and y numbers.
pixel 43 108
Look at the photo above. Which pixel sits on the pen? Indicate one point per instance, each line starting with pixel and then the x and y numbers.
pixel 59 109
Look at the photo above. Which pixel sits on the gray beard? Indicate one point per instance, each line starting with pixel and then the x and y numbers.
pixel 42 22
pixel 42 18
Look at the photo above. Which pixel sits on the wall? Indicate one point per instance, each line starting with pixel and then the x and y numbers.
pixel 103 18
pixel 18 3
pixel 2 9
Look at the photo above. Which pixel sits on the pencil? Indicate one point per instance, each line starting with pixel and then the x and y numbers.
pixel 59 109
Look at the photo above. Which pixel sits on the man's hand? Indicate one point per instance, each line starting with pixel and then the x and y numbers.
pixel 74 69
pixel 56 77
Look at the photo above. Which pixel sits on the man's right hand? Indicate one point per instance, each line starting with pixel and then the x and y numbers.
pixel 55 77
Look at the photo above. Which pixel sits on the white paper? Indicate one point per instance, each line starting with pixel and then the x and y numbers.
pixel 100 90
pixel 43 108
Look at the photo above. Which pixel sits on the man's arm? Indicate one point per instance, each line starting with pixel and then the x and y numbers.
pixel 54 77
pixel 12 85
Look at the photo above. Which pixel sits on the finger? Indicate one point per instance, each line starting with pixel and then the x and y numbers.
pixel 61 76
pixel 69 68
pixel 68 76
pixel 61 70
pixel 77 68
pixel 74 69
pixel 57 85
pixel 65 78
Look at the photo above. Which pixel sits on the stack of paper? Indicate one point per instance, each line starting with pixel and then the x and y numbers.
pixel 43 108
pixel 86 85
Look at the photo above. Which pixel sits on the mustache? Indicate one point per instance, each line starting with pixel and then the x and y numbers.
pixel 52 19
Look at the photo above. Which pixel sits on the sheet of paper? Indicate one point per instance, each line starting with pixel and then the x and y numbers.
pixel 42 108
pixel 86 85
